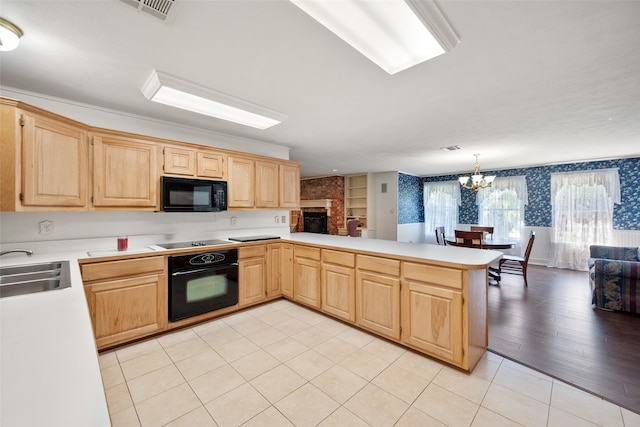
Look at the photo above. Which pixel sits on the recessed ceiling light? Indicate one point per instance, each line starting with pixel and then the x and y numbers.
pixel 394 34
pixel 169 90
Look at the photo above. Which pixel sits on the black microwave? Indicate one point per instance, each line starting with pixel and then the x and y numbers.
pixel 193 195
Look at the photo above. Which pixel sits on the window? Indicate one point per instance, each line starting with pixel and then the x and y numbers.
pixel 582 209
pixel 441 201
pixel 502 206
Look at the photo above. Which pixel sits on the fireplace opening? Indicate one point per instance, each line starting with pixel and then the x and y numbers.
pixel 315 222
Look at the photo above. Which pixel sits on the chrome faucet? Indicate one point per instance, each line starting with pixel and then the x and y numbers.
pixel 26 251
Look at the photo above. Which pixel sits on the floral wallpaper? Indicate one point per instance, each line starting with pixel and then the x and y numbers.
pixel 410 199
pixel 626 216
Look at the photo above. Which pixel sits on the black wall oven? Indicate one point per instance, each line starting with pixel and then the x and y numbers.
pixel 202 282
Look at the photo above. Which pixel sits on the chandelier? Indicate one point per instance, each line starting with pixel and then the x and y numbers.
pixel 478 181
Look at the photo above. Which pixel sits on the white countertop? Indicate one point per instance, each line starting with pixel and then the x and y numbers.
pixel 49 370
pixel 452 255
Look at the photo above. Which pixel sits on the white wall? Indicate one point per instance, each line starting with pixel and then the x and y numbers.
pixel 414 233
pixel 385 205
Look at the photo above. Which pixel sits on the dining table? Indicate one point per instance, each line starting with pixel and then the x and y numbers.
pixel 490 243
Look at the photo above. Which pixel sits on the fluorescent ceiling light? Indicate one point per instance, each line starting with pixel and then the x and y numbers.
pixel 169 90
pixel 394 34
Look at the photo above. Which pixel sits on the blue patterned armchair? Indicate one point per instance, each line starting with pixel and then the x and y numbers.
pixel 614 273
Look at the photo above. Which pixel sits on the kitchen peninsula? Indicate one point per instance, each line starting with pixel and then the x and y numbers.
pixel 429 298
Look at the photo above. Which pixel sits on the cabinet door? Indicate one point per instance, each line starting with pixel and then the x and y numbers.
pixel 241 183
pixel 338 291
pixel 124 172
pixel 266 184
pixel 378 303
pixel 432 320
pixel 122 310
pixel 290 186
pixel 211 165
pixel 252 278
pixel 54 163
pixel 306 286
pixel 179 161
pixel 286 272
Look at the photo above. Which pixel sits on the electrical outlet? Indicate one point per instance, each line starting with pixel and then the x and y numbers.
pixel 232 220
pixel 46 227
pixel 277 219
pixel 284 219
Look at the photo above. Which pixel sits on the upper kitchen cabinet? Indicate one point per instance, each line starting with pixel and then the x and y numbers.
pixel 290 185
pixel 187 161
pixel 263 184
pixel 125 172
pixel 241 185
pixel 44 162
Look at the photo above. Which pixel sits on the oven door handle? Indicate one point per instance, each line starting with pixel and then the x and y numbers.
pixel 200 270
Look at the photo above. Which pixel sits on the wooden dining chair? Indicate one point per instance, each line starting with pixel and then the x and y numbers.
pixel 483 228
pixel 440 236
pixel 472 239
pixel 516 264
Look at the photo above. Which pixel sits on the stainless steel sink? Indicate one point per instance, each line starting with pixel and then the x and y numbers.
pixel 32 278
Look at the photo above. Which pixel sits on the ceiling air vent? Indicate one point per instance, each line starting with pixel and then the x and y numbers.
pixel 451 148
pixel 158 8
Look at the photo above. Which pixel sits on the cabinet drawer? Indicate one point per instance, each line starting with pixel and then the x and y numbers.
pixel 429 273
pixel 252 251
pixel 339 258
pixel 379 265
pixel 124 268
pixel 306 252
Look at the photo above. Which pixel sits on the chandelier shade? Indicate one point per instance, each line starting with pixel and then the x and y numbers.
pixel 478 181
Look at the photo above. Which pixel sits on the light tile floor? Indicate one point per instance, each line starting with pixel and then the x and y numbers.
pixel 280 364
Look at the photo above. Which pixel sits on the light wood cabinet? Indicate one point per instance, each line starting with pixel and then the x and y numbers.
pixel 279 270
pixel 241 185
pixel 179 161
pixel 306 273
pixel 290 186
pixel 339 284
pixel 125 172
pixel 378 295
pixel 45 160
pixel 261 184
pixel 211 164
pixel 187 161
pixel 127 299
pixel 252 275
pixel 267 178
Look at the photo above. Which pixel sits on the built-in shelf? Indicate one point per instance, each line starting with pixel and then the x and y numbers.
pixel 355 198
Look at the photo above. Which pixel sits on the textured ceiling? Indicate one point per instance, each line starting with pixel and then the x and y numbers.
pixel 530 83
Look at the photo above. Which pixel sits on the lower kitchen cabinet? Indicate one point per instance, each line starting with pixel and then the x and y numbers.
pixel 378 295
pixel 252 275
pixel 127 299
pixel 306 273
pixel 432 319
pixel 279 270
pixel 339 284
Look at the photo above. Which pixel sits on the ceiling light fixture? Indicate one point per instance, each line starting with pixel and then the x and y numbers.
pixel 477 180
pixel 9 35
pixel 394 34
pixel 169 90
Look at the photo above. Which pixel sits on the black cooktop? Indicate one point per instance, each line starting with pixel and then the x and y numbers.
pixel 194 244
pixel 253 238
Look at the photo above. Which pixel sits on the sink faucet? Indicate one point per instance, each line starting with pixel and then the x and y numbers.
pixel 26 251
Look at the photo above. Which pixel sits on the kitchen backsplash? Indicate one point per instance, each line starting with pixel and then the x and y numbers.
pixel 97 230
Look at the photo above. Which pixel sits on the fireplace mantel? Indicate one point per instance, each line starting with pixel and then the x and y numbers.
pixel 320 203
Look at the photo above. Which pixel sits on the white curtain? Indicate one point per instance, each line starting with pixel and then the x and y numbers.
pixel 502 206
pixel 441 201
pixel 582 209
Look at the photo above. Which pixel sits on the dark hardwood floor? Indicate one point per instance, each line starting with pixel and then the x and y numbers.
pixel 551 327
